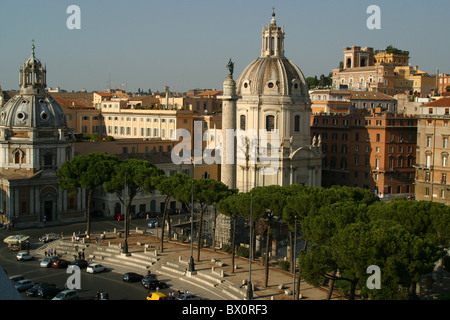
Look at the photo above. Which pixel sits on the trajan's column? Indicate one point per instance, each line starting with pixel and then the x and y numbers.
pixel 229 98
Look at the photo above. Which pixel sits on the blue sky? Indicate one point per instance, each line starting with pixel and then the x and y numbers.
pixel 186 44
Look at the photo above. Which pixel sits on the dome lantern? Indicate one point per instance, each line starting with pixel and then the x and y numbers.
pixel 33 76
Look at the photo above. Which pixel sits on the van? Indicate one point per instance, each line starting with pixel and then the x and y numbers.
pixel 156 296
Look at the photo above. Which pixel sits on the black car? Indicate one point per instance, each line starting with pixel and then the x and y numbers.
pixel 32 292
pixel 148 277
pixel 48 292
pixel 81 263
pixel 153 284
pixel 132 277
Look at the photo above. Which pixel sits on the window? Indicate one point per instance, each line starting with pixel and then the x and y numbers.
pixel 428 141
pixel 444 160
pixel 427 192
pixel 270 123
pixel 428 161
pixel 242 122
pixel 378 137
pixel 444 178
pixel 297 123
pixel 48 159
pixel 444 142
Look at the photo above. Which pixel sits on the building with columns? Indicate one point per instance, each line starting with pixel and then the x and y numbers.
pixel 34 143
pixel 270 108
pixel 274 103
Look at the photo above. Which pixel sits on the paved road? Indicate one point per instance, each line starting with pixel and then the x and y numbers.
pixel 110 281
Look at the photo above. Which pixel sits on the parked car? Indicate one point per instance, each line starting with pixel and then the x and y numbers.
pixel 132 277
pixel 119 216
pixel 47 261
pixel 24 256
pixel 148 277
pixel 66 295
pixel 32 292
pixel 96 213
pixel 95 268
pixel 152 224
pixel 60 263
pixel 81 263
pixel 187 296
pixel 154 284
pixel 48 292
pixel 156 296
pixel 24 285
pixel 15 279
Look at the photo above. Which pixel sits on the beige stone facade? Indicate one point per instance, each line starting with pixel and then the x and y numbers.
pixel 432 165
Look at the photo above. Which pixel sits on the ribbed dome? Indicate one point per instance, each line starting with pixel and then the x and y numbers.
pixel 272 76
pixel 32 111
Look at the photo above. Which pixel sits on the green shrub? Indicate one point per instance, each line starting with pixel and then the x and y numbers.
pixel 227 248
pixel 243 252
pixel 284 265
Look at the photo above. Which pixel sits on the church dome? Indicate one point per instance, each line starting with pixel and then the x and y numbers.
pixel 32 108
pixel 272 73
pixel 32 111
pixel 272 76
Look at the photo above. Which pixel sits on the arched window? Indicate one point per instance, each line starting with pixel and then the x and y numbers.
pixel 270 123
pixel 242 122
pixel 349 62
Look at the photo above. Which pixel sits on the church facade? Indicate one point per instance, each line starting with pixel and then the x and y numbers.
pixel 34 143
pixel 270 109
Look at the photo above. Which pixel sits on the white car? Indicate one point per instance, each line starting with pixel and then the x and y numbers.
pixel 66 295
pixel 95 268
pixel 187 296
pixel 47 261
pixel 24 256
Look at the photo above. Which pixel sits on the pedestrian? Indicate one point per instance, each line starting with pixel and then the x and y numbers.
pixel 97 296
pixel 54 252
pixel 96 240
pixel 45 253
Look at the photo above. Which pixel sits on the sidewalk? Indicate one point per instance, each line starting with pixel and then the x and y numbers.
pixel 222 262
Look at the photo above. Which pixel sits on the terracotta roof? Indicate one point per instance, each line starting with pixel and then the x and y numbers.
pixel 369 95
pixel 104 94
pixel 443 102
pixel 210 93
pixel 73 103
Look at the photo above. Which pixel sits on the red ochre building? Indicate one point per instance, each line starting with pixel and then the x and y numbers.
pixel 368 148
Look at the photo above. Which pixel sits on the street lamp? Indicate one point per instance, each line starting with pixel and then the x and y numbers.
pixel 125 237
pixel 295 257
pixel 249 295
pixel 191 267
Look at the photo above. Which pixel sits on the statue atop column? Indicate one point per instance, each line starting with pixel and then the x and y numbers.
pixel 230 67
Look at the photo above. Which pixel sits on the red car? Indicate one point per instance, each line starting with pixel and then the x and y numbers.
pixel 119 216
pixel 60 263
